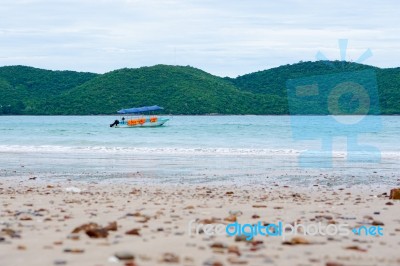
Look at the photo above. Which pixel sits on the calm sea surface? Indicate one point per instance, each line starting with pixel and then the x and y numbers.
pixel 201 148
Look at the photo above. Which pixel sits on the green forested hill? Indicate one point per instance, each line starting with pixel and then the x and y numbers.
pixel 24 90
pixel 181 90
pixel 273 81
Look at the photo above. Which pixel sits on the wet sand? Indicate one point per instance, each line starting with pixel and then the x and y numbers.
pixel 45 222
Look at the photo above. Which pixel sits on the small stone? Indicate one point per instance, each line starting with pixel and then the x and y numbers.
pixel 188 260
pixel 130 263
pixel 134 232
pixel 85 227
pixel 60 262
pixel 170 258
pixel 73 236
pixel 241 238
pixel 136 214
pixel 73 250
pixel 297 241
pixel 356 248
pixel 212 262
pixel 21 247
pixel 111 226
pixel 237 261
pixel 257 242
pixel 93 230
pixel 209 221
pixel 235 213
pixel 395 194
pixel 73 189
pixel 97 233
pixel 231 218
pixel 124 255
pixel 218 245
pixel 333 264
pixel 376 223
pixel 234 250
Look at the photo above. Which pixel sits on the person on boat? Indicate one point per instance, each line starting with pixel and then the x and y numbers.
pixel 116 123
pixel 123 120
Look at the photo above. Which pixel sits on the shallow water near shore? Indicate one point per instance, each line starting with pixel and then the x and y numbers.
pixel 190 149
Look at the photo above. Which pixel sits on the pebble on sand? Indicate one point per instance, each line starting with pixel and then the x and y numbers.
pixel 73 189
pixel 134 232
pixel 395 194
pixel 21 247
pixel 333 264
pixel 376 223
pixel 111 226
pixel 60 262
pixel 212 262
pixel 73 250
pixel 93 230
pixel 124 255
pixel 170 258
pixel 297 241
pixel 356 248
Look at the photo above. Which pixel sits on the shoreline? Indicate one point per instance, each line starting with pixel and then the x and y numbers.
pixel 206 115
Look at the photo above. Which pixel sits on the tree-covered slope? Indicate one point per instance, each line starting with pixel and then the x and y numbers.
pixel 389 90
pixel 180 90
pixel 186 90
pixel 23 89
pixel 274 81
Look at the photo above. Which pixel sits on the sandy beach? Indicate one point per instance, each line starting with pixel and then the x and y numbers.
pixel 102 223
pixel 199 133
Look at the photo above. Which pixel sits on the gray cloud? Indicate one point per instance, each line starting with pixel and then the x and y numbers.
pixel 226 38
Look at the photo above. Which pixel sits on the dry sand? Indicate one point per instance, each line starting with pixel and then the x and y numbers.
pixel 37 219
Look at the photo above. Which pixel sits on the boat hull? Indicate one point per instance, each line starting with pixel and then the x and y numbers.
pixel 148 123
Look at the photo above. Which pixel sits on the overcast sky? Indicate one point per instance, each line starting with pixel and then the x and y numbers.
pixel 225 38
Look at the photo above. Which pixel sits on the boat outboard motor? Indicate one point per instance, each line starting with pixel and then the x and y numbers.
pixel 116 123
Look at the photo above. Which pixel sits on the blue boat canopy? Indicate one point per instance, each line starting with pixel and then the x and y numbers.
pixel 140 109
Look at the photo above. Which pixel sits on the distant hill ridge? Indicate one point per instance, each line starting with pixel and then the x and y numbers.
pixel 179 89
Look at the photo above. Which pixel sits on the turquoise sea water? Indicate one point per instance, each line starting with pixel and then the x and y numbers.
pixel 188 148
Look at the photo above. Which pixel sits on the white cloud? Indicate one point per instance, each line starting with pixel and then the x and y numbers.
pixel 221 37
